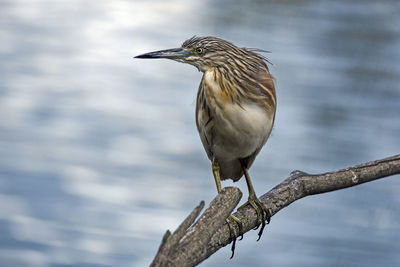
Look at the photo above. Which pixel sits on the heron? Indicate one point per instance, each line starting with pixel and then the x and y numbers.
pixel 235 110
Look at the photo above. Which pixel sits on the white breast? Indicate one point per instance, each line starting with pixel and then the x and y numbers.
pixel 238 130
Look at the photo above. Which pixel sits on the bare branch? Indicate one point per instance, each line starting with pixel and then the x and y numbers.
pixel 192 245
pixel 296 186
pixel 169 241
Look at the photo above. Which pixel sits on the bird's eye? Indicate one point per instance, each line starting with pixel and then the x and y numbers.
pixel 199 50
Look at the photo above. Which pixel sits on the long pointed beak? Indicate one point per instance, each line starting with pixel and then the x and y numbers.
pixel 174 53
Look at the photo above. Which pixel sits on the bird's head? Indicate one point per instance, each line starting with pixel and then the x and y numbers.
pixel 203 52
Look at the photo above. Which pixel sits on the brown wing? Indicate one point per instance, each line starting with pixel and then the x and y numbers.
pixel 204 121
pixel 268 101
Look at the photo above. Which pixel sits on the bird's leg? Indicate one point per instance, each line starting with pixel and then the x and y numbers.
pixel 217 178
pixel 262 211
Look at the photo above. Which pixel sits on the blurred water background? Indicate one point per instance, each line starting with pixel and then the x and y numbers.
pixel 99 153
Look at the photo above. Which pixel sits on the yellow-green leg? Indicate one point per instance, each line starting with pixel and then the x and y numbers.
pixel 262 211
pixel 217 178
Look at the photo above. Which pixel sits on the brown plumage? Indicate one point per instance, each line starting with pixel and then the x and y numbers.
pixel 243 79
pixel 235 109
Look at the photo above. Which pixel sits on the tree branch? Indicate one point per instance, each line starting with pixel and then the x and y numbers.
pixel 210 233
pixel 193 240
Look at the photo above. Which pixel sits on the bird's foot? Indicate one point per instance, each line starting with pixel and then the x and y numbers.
pixel 232 232
pixel 263 213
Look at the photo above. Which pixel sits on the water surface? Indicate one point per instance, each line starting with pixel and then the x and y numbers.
pixel 99 153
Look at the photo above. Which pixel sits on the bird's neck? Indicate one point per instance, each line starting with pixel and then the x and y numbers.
pixel 218 88
pixel 240 87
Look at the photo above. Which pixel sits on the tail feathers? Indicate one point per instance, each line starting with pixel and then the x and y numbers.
pixel 231 170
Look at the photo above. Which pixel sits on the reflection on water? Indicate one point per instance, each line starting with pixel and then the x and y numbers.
pixel 99 152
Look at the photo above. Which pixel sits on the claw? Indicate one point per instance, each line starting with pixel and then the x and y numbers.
pixel 232 235
pixel 233 248
pixel 262 224
pixel 240 225
pixel 232 232
pixel 266 216
pixel 263 213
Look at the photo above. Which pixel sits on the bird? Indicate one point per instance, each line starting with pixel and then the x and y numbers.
pixel 235 109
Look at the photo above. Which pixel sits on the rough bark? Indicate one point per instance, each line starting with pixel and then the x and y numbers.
pixel 192 243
